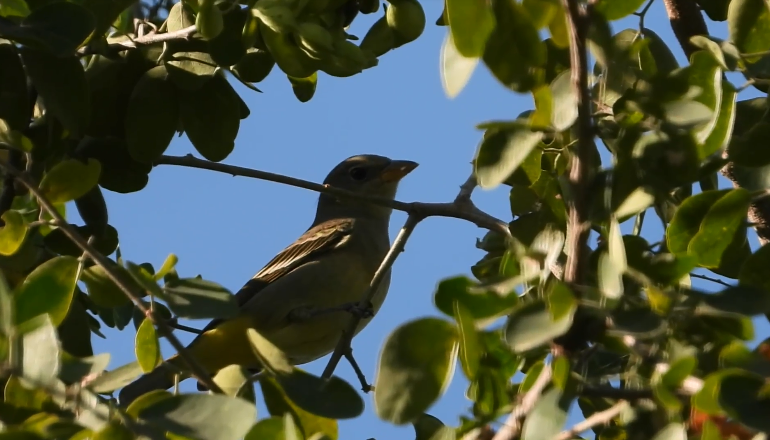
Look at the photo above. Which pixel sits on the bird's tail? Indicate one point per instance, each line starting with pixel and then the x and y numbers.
pixel 161 378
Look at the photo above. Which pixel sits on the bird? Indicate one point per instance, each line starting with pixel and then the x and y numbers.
pixel 325 269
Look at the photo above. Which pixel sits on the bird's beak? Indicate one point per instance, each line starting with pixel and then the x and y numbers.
pixel 397 169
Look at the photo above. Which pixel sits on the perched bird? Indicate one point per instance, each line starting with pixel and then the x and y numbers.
pixel 329 266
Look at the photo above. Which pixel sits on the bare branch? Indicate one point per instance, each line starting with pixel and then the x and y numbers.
pixel 343 345
pixel 126 43
pixel 596 419
pixel 462 209
pixel 512 426
pixel 198 371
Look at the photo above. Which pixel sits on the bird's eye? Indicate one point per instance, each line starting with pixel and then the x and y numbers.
pixel 358 173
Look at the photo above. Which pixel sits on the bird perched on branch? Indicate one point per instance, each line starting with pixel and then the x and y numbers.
pixel 297 300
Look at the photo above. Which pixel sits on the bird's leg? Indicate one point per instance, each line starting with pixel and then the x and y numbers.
pixel 365 387
pixel 301 314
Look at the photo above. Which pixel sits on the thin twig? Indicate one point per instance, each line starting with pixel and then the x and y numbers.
pixel 462 209
pixel 398 246
pixel 197 370
pixel 145 40
pixel 365 387
pixel 577 224
pixel 596 419
pixel 512 426
pixel 708 278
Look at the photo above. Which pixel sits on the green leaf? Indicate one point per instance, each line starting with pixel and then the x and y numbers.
pixel 14 232
pixel 61 83
pixel 17 8
pixel 749 149
pixel 116 379
pixel 14 107
pixel 211 118
pixel 7 309
pixel 69 180
pixel 536 322
pixel 672 431
pixel 152 115
pixel 470 349
pixel 617 9
pixel 754 269
pixel 748 22
pixel 74 369
pixel 48 289
pixel 333 398
pixel 502 150
pixel 720 136
pixel 548 416
pixel 188 70
pixel 147 347
pixel 686 113
pixel 39 350
pixel 303 88
pixel 415 367
pixel 193 298
pixel 715 9
pixel 168 266
pixel 744 300
pixel 456 70
pixel 480 305
pixel 274 428
pixel 426 426
pixel 102 290
pixel 514 52
pixel 719 226
pixel 255 66
pixel 470 24
pixel 209 21
pixel 678 371
pixel 272 358
pixel 113 431
pixel 707 75
pixel 202 416
pixel 565 110
pixel 227 48
pixel 278 404
pixel 235 381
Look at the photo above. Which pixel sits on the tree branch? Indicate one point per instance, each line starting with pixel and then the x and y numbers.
pixel 343 345
pixel 577 222
pixel 598 418
pixel 512 426
pixel 462 208
pixel 145 40
pixel 198 371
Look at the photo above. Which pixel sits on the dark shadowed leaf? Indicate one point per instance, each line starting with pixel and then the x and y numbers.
pixel 102 290
pixel 208 20
pixel 48 289
pixel 744 300
pixel 74 369
pixel 215 104
pixel 278 404
pixel 58 27
pixel 719 226
pixel 193 298
pixel 470 24
pixel 202 416
pixel 271 357
pixel 416 364
pixel 14 107
pixel 62 85
pixel 749 149
pixel 502 150
pixel 425 426
pixel 304 88
pixel 39 350
pixel 227 48
pixel 69 180
pixel 147 347
pixel 754 270
pixel 333 398
pixel 152 115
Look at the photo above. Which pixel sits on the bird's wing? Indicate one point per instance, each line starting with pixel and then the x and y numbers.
pixel 317 240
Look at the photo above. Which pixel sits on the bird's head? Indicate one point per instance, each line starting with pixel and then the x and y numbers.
pixel 365 174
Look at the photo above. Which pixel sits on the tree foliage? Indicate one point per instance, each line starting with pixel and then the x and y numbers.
pixel 89 101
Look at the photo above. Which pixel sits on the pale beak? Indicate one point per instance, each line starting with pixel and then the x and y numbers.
pixel 397 169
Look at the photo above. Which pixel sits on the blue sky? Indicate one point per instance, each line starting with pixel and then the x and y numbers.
pixel 226 228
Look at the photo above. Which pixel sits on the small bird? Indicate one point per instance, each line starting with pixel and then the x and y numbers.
pixel 329 267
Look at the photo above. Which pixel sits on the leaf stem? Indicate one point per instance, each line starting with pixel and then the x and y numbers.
pixel 198 371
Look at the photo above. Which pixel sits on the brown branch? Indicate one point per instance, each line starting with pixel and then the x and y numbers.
pixel 597 418
pixel 343 345
pixel 512 426
pixel 198 371
pixel 462 208
pixel 577 222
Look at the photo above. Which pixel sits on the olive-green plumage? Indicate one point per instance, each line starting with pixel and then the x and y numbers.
pixel 330 265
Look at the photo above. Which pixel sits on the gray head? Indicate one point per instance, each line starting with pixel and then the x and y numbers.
pixel 366 174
